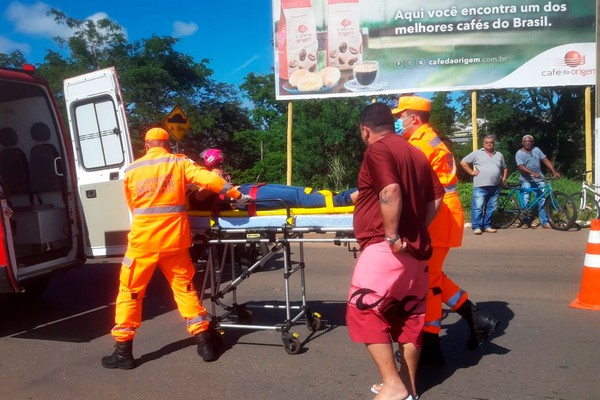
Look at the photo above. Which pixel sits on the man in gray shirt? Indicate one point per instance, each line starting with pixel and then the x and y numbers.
pixel 529 161
pixel 489 171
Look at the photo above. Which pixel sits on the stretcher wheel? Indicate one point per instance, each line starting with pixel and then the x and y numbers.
pixel 292 345
pixel 251 253
pixel 313 323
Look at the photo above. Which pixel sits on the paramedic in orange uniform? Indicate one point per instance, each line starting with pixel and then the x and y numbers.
pixel 446 231
pixel 155 189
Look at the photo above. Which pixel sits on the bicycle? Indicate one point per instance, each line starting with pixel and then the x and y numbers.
pixel 586 203
pixel 516 203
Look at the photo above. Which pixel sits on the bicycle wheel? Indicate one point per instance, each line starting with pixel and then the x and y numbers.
pixel 561 211
pixel 586 211
pixel 506 212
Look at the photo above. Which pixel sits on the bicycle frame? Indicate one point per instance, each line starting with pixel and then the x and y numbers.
pixel 590 190
pixel 529 198
pixel 521 203
pixel 586 201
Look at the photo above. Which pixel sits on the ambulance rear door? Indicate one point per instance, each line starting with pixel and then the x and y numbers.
pixel 102 149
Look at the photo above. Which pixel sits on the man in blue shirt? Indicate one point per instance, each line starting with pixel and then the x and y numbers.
pixel 529 162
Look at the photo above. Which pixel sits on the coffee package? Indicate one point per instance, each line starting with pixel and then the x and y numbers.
pixel 296 37
pixel 344 39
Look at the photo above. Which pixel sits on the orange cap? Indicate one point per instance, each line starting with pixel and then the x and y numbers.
pixel 414 103
pixel 156 134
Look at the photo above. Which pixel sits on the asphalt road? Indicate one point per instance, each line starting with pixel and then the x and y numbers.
pixel 51 348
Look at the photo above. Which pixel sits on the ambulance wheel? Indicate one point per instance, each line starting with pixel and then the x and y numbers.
pixel 34 288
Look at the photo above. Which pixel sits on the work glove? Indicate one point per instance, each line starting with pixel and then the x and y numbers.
pixel 243 201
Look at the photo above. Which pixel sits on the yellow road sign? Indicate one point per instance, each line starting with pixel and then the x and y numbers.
pixel 177 123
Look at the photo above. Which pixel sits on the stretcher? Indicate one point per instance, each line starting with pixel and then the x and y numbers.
pixel 271 232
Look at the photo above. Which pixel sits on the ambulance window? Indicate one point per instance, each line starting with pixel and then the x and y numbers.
pixel 99 134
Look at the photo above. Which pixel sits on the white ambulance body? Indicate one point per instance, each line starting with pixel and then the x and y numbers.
pixel 61 194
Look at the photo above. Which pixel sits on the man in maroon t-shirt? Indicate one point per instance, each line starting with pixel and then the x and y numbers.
pixel 399 194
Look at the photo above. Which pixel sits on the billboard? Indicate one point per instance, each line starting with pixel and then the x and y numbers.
pixel 336 48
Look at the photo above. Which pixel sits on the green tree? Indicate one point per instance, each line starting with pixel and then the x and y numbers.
pixel 442 114
pixel 94 42
pixel 553 116
pixel 154 77
pixel 327 142
pixel 261 150
pixel 326 145
pixel 12 60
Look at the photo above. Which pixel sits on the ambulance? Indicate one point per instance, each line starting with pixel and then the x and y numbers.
pixel 61 194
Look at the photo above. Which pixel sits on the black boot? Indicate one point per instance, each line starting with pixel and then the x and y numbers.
pixel 431 352
pixel 206 346
pixel 121 358
pixel 481 324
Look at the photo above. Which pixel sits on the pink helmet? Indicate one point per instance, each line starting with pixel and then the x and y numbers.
pixel 212 157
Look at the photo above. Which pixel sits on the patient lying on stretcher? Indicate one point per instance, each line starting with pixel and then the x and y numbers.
pixel 266 196
pixel 290 196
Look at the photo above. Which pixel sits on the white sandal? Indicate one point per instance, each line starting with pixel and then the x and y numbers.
pixel 374 390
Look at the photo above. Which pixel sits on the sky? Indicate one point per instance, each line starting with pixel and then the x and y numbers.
pixel 235 36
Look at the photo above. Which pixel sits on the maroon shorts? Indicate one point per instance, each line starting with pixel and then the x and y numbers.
pixel 387 297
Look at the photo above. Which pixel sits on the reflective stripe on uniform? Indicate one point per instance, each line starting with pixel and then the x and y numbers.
pixel 226 188
pixel 452 301
pixel 436 323
pixel 155 161
pixel 123 329
pixel 197 320
pixel 127 262
pixel 159 210
pixel 435 141
pixel 450 188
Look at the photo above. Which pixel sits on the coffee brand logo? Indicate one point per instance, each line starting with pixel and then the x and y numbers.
pixel 346 22
pixel 574 59
pixel 302 28
pixel 571 64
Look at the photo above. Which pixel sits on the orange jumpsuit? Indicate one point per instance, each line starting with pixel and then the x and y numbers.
pixel 446 230
pixel 155 189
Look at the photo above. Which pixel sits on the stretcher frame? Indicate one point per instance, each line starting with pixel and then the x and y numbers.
pixel 287 228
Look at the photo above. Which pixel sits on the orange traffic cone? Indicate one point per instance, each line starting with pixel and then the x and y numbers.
pixel 589 293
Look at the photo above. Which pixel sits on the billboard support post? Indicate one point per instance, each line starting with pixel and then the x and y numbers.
pixel 474 118
pixel 588 132
pixel 597 106
pixel 289 143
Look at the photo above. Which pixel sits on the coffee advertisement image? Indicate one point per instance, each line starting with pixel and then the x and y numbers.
pixel 340 48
